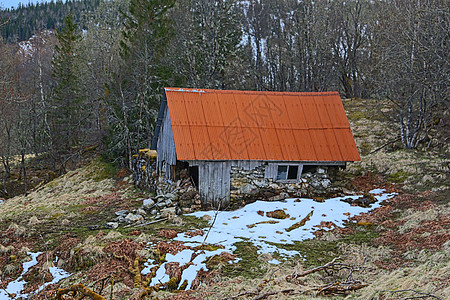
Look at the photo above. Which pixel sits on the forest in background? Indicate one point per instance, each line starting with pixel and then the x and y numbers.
pixel 27 20
pixel 92 72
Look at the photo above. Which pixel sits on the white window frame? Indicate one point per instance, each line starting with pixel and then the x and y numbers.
pixel 299 172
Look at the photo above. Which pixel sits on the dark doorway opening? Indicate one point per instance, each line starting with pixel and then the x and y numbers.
pixel 309 169
pixel 193 173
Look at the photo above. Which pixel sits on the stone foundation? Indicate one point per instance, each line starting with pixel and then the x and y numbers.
pixel 245 186
pixel 250 185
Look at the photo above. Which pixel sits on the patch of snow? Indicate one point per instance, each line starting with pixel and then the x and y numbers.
pixel 377 191
pixel 246 224
pixel 184 90
pixel 160 276
pixel 16 286
pixel 249 224
pixel 58 274
pixel 274 262
pixel 183 258
pixel 148 268
pixel 197 264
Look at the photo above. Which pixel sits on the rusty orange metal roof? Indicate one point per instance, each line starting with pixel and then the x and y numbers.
pixel 249 125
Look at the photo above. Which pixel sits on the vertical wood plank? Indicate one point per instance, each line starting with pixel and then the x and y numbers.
pixel 166 144
pixel 203 183
pixel 210 183
pixel 226 175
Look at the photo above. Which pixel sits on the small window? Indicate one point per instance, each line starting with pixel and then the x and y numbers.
pixel 282 172
pixel 292 173
pixel 286 172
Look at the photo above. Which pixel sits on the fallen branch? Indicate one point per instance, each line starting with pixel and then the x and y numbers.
pixel 331 264
pixel 242 294
pixel 384 145
pixel 103 280
pixel 273 293
pixel 81 289
pixel 265 295
pixel 301 223
pixel 422 295
pixel 144 224
pixel 338 288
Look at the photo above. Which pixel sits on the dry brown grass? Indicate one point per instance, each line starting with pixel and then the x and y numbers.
pixel 414 169
pixel 431 275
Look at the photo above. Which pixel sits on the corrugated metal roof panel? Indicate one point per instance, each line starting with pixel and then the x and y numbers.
pixel 183 143
pixel 246 113
pixel 333 144
pixel 346 144
pixel 194 114
pixel 321 105
pixel 201 142
pixel 220 147
pixel 295 112
pixel 310 112
pixel 247 125
pixel 272 147
pixel 336 112
pixel 288 144
pixel 177 109
pixel 304 145
pixel 320 145
pixel 211 109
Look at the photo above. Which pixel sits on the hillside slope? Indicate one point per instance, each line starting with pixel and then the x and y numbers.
pixel 396 251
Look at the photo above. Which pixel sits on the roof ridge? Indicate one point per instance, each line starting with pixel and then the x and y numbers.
pixel 196 90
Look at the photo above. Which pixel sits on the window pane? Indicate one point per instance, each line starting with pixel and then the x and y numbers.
pixel 293 171
pixel 282 172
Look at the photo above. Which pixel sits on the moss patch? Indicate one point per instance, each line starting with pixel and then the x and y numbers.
pixel 249 266
pixel 314 252
pixel 103 170
pixel 399 176
pixel 361 235
pixel 192 222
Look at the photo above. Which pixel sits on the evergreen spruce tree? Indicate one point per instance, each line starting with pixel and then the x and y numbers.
pixel 136 91
pixel 207 52
pixel 67 101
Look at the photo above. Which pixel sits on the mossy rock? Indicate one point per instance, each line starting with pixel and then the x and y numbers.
pixel 278 214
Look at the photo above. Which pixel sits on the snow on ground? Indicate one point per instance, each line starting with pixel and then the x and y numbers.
pixel 250 224
pixel 17 286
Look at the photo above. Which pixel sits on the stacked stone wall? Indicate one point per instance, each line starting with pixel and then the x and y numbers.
pixel 245 185
pixel 250 185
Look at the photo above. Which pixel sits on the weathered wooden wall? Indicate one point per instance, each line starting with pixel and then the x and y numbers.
pixel 215 177
pixel 166 147
pixel 214 183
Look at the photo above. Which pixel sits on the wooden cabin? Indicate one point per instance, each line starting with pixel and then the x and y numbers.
pixel 209 132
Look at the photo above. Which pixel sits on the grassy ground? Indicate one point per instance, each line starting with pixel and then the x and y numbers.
pixel 398 250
